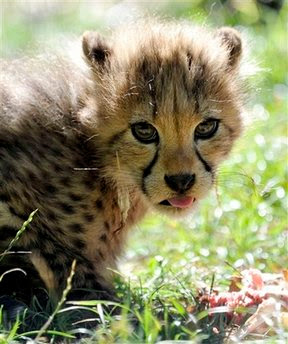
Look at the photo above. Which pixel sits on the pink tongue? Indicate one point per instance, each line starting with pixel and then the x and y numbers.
pixel 181 202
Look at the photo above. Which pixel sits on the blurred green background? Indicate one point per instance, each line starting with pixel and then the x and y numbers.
pixel 244 221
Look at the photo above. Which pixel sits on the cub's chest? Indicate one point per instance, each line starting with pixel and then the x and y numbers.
pixel 85 206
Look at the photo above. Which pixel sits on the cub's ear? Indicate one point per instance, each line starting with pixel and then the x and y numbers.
pixel 95 48
pixel 231 39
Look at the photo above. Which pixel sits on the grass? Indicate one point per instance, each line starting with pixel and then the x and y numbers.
pixel 242 224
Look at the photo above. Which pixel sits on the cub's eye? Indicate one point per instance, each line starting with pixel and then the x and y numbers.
pixel 206 129
pixel 144 132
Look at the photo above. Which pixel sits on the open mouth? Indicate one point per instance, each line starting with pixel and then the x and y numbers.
pixel 179 202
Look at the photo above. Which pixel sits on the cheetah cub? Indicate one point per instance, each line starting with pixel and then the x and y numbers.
pixel 142 124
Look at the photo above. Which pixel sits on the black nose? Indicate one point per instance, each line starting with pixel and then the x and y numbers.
pixel 180 182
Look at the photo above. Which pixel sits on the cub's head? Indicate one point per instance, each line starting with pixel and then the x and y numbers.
pixel 165 106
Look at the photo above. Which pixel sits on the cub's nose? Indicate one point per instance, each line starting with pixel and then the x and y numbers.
pixel 180 182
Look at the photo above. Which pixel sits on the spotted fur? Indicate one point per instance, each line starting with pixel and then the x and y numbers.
pixel 67 148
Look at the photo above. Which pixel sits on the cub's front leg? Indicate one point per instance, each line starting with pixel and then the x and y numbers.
pixel 74 272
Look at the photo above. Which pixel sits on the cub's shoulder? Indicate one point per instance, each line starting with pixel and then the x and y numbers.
pixel 43 90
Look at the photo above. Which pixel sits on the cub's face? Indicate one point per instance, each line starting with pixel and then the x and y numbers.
pixel 170 113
